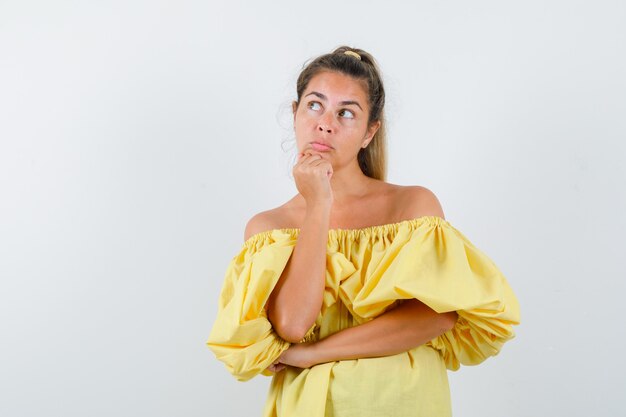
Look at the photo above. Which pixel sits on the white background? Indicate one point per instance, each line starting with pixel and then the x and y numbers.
pixel 138 137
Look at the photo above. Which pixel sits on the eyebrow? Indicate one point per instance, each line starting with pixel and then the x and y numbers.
pixel 342 103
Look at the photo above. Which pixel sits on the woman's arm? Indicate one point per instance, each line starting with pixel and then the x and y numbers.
pixel 297 297
pixel 406 326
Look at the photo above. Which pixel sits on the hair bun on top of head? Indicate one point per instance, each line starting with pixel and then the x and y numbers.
pixel 354 54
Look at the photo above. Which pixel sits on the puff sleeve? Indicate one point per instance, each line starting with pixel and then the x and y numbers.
pixel 242 337
pixel 436 264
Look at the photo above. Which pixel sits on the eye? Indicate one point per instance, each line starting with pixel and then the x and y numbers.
pixel 313 103
pixel 351 115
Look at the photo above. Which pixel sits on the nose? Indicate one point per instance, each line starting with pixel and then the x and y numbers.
pixel 324 128
pixel 325 125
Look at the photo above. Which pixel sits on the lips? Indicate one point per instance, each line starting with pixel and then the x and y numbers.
pixel 321 146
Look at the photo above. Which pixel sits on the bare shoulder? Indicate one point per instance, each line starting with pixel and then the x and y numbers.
pixel 276 218
pixel 260 222
pixel 419 201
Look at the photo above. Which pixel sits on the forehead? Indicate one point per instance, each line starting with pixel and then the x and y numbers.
pixel 337 86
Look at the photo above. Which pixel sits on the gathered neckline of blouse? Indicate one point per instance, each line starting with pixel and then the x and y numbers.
pixel 356 232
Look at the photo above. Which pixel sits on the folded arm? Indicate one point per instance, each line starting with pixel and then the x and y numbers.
pixel 402 328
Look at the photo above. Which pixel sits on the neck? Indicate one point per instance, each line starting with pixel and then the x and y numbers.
pixel 349 183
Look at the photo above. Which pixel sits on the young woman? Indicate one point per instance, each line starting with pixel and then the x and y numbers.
pixel 356 295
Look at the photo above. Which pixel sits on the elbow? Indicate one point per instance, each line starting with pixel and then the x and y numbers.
pixel 288 330
pixel 291 336
pixel 292 333
pixel 289 326
pixel 448 320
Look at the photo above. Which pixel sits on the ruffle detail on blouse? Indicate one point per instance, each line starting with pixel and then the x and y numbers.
pixel 436 264
pixel 369 270
pixel 242 336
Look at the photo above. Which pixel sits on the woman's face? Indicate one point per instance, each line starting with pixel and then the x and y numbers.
pixel 331 119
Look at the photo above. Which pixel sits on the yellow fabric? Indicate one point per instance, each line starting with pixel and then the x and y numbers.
pixel 368 271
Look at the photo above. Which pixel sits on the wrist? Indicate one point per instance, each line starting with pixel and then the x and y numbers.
pixel 317 353
pixel 318 213
pixel 318 207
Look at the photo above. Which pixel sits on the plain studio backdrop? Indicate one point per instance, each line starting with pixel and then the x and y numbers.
pixel 138 137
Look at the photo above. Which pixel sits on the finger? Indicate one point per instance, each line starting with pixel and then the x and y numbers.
pixel 307 154
pixel 318 161
pixel 321 163
pixel 276 367
pixel 308 159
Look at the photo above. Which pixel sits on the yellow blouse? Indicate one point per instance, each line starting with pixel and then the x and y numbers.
pixel 368 271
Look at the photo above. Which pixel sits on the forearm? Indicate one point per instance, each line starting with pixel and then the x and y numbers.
pixel 407 326
pixel 296 299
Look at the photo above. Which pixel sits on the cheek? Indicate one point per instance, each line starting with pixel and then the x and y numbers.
pixel 303 121
pixel 303 127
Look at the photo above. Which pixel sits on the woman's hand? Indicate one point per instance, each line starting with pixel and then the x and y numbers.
pixel 276 367
pixel 299 355
pixel 312 174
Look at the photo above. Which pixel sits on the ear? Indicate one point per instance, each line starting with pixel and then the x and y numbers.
pixel 371 131
pixel 294 108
